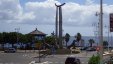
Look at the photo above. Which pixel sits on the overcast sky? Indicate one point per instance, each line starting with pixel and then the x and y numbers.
pixel 78 15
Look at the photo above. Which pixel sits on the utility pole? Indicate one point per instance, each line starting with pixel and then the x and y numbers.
pixel 17 31
pixel 59 24
pixel 101 32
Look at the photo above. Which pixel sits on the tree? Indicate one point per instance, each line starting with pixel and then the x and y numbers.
pixel 29 37
pixel 78 37
pixel 49 40
pixel 1 40
pixel 94 60
pixel 67 37
pixel 5 37
pixel 105 43
pixel 91 41
pixel 12 38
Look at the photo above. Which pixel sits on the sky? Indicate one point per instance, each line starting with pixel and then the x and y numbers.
pixel 78 16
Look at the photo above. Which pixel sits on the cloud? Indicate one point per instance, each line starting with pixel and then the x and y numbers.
pixel 10 10
pixel 42 12
pixel 74 14
pixel 89 2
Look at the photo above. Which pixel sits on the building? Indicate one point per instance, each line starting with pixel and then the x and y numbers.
pixel 39 37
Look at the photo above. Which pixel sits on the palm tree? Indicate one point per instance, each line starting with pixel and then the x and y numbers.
pixel 105 43
pixel 67 37
pixel 91 41
pixel 1 40
pixel 78 37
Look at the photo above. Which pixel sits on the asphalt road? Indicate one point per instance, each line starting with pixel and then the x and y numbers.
pixel 27 58
pixel 16 58
pixel 60 59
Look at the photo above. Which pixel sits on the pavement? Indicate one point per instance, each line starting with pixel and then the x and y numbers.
pixel 60 59
pixel 31 57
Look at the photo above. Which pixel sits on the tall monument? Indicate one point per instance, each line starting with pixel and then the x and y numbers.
pixel 58 25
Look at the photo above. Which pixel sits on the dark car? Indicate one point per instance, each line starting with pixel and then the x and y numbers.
pixel 84 48
pixel 10 50
pixel 72 60
pixel 91 49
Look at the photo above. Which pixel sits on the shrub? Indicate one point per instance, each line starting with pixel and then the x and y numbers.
pixel 94 60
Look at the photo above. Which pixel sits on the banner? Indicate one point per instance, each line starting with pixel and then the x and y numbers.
pixel 111 22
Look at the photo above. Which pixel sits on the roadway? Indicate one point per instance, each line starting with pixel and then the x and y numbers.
pixel 28 57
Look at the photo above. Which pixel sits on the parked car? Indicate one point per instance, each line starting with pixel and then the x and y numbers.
pixel 75 50
pixel 91 49
pixel 72 60
pixel 84 48
pixel 10 50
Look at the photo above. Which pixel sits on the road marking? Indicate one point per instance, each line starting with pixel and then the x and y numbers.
pixel 25 55
pixel 56 62
pixel 50 62
pixel 84 62
pixel 47 62
pixel 32 62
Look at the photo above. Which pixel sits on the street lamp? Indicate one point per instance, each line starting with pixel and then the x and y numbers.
pixel 101 32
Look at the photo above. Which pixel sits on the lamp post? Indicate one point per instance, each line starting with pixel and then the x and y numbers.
pixel 101 32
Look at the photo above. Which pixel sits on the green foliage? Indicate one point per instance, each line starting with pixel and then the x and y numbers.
pixel 1 38
pixel 78 37
pixel 14 37
pixel 67 37
pixel 91 41
pixel 5 37
pixel 29 37
pixel 105 43
pixel 94 60
pixel 23 38
pixel 50 40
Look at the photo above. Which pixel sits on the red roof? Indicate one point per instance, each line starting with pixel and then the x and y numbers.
pixel 37 32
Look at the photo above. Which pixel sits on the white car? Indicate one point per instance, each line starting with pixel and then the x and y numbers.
pixel 76 50
pixel 10 50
